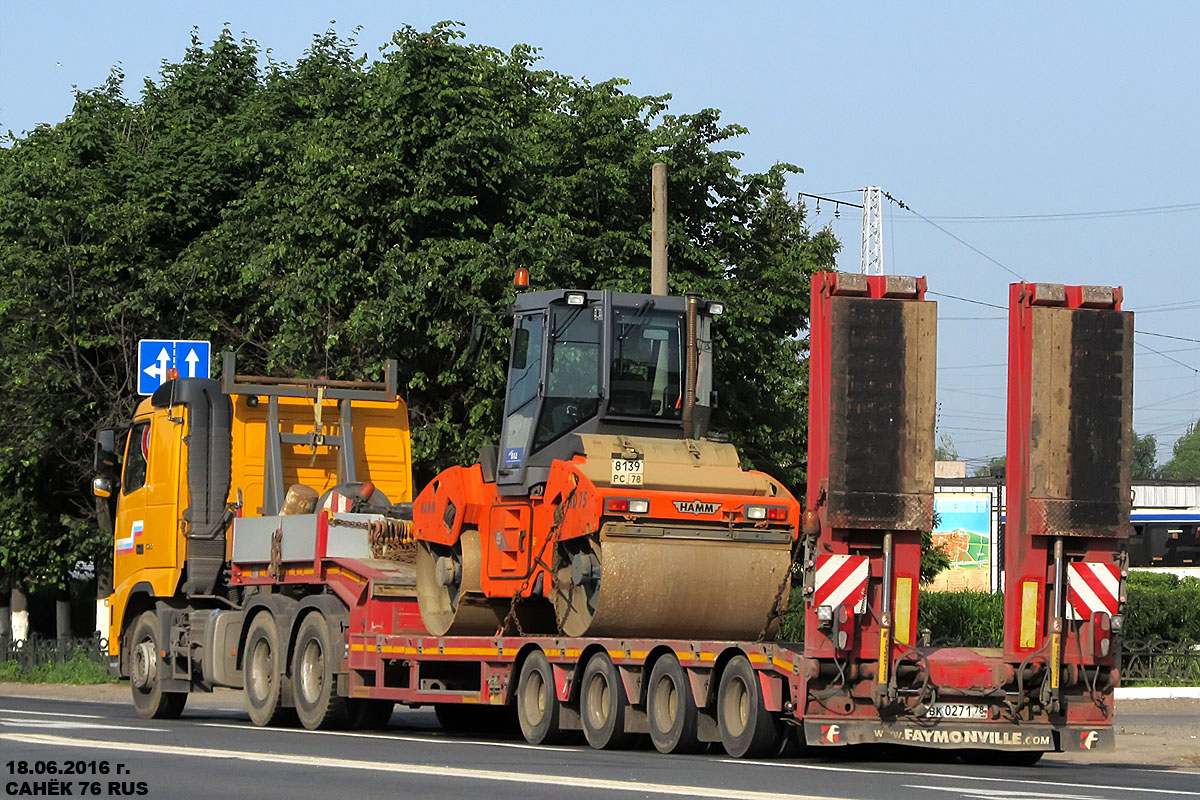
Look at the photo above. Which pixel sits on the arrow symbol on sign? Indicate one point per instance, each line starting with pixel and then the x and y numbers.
pixel 159 370
pixel 192 359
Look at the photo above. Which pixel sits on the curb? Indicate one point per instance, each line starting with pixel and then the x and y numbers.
pixel 1157 692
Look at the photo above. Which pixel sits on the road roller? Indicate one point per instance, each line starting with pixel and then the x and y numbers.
pixel 606 509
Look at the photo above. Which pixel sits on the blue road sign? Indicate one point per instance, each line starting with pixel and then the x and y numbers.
pixel 156 357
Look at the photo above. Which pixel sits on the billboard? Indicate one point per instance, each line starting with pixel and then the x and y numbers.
pixel 965 532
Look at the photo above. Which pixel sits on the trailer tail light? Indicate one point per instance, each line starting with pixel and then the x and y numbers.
pixel 772 513
pixel 843 622
pixel 1101 634
pixel 626 505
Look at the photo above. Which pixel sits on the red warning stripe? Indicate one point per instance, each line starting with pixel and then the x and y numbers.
pixel 841 580
pixel 1092 587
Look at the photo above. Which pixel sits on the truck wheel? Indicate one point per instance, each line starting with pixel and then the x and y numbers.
pixel 748 730
pixel 368 715
pixel 314 676
pixel 149 699
pixel 264 681
pixel 671 708
pixel 602 705
pixel 538 710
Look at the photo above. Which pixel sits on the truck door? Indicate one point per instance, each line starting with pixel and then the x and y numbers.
pixel 146 527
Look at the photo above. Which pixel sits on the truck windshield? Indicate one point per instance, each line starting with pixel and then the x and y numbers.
pixel 647 365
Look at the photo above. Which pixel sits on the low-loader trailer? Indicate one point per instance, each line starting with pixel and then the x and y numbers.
pixel 610 569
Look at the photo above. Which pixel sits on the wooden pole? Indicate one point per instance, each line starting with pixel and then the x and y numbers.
pixel 658 236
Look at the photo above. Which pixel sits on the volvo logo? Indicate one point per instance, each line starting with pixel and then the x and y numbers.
pixel 696 507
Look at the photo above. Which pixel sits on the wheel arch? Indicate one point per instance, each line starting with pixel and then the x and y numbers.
pixel 282 608
pixel 337 618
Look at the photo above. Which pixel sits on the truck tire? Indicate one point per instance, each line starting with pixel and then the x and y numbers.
pixel 265 683
pixel 671 708
pixel 602 705
pixel 368 715
pixel 149 699
pixel 314 676
pixel 538 709
pixel 748 730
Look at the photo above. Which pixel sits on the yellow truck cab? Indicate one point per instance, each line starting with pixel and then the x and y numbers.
pixel 199 453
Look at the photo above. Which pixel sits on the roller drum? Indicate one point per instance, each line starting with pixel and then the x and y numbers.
pixel 684 586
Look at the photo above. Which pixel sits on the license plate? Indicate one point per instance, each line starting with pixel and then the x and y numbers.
pixel 627 472
pixel 957 711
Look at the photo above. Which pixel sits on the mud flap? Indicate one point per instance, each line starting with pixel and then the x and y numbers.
pixel 1000 736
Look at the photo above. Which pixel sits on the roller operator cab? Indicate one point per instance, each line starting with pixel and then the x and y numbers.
pixel 599 362
pixel 604 509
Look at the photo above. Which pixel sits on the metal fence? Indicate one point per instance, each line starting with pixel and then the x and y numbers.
pixel 37 651
pixel 1160 661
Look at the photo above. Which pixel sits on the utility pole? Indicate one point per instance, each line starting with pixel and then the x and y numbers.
pixel 872 231
pixel 658 236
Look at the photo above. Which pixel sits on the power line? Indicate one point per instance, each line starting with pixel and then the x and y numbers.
pixel 966 300
pixel 1074 215
pixel 1169 358
pixel 955 237
pixel 1167 336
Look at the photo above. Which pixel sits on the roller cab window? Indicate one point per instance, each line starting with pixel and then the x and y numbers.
pixel 572 371
pixel 649 363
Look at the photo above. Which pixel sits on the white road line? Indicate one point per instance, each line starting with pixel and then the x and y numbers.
pixel 955 777
pixel 63 724
pixel 1003 794
pixel 432 738
pixel 533 778
pixel 50 714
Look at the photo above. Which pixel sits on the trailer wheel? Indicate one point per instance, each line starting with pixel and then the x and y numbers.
pixel 748 730
pixel 314 676
pixel 671 708
pixel 538 709
pixel 602 705
pixel 264 681
pixel 149 699
pixel 368 715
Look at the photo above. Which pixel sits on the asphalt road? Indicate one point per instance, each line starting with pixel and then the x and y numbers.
pixel 214 751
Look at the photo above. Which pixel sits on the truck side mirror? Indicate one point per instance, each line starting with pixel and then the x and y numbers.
pixel 105 460
pixel 102 486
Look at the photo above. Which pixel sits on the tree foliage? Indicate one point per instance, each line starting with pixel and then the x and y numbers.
pixel 946 450
pixel 323 216
pixel 1184 464
pixel 1145 449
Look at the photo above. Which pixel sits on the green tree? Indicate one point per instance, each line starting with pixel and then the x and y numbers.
pixel 1184 464
pixel 994 466
pixel 323 216
pixel 946 449
pixel 1145 450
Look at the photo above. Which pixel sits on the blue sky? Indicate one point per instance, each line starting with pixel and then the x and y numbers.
pixel 986 109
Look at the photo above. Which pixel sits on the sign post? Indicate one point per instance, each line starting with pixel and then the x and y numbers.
pixel 190 358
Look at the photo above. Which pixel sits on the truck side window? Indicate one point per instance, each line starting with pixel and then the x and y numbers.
pixel 136 452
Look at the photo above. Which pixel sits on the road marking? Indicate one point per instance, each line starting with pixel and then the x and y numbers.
pixel 952 777
pixel 1004 794
pixel 433 737
pixel 534 778
pixel 62 724
pixel 50 714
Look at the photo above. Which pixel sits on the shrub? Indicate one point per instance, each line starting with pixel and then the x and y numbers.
pixel 1162 607
pixel 967 618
